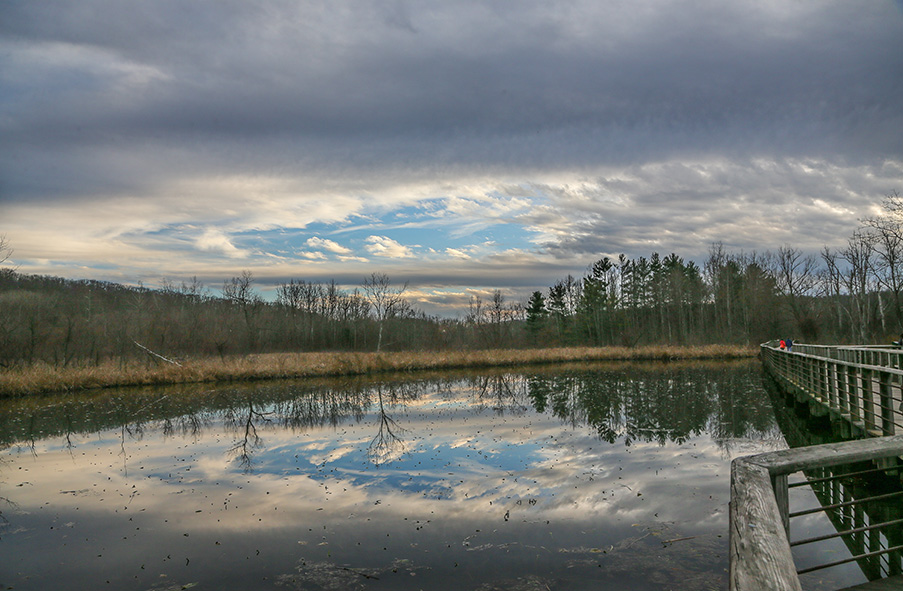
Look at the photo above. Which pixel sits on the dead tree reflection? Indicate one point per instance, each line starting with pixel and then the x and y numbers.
pixel 5 501
pixel 505 393
pixel 186 425
pixel 243 449
pixel 388 443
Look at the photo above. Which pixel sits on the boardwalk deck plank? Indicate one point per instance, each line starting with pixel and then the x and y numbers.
pixel 888 584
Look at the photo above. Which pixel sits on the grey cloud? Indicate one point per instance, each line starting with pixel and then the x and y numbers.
pixel 688 76
pixel 685 121
pixel 682 207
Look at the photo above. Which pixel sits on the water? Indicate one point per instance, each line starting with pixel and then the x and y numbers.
pixel 578 477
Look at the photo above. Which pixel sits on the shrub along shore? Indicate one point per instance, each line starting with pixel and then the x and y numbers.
pixel 42 378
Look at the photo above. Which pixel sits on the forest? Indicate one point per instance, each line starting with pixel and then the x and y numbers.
pixel 850 294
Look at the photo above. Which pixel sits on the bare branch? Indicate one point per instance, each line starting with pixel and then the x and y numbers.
pixel 6 250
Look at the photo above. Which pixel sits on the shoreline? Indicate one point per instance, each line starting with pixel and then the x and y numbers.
pixel 42 378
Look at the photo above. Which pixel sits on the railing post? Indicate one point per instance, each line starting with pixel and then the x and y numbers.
pixel 852 392
pixel 858 538
pixel 823 381
pixel 815 366
pixel 814 378
pixel 808 374
pixel 782 497
pixel 868 400
pixel 786 368
pixel 844 380
pixel 873 571
pixel 790 368
pixel 887 403
pixel 843 495
pixel 832 384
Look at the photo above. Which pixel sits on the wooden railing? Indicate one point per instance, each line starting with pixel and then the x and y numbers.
pixel 861 386
pixel 760 548
pixel 865 508
pixel 861 389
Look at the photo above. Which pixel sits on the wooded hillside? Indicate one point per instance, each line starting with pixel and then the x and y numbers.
pixel 848 295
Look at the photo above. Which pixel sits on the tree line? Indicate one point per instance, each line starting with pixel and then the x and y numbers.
pixel 850 294
pixel 64 322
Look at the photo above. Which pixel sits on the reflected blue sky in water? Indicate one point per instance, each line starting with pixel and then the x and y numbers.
pixel 475 488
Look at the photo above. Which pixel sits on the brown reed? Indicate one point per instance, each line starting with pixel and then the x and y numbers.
pixel 42 378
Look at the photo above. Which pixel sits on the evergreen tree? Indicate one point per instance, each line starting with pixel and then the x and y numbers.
pixel 537 314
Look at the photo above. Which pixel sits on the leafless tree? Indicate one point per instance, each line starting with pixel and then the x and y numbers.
pixel 385 300
pixel 239 292
pixel 796 279
pixel 290 294
pixel 858 255
pixel 6 251
pixel 886 242
pixel 848 282
pixel 722 275
pixel 832 284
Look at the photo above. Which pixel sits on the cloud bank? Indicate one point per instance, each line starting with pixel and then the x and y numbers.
pixel 463 145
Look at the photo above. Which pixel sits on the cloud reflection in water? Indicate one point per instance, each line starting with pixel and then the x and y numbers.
pixel 571 477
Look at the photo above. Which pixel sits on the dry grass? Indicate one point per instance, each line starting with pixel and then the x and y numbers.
pixel 41 378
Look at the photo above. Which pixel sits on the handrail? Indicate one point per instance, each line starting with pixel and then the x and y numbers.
pixel 861 385
pixel 760 554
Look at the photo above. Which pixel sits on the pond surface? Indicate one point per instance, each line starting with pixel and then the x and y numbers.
pixel 604 476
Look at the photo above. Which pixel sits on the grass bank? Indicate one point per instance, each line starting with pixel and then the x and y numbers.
pixel 43 378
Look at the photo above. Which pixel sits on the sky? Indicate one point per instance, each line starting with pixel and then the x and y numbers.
pixel 460 147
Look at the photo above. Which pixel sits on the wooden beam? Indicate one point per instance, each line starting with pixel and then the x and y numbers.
pixel 760 557
pixel 830 454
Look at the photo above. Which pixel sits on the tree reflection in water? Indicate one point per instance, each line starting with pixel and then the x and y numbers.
pixel 243 423
pixel 647 402
pixel 494 469
pixel 387 443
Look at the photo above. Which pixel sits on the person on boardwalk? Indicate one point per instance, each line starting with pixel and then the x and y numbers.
pixel 790 344
pixel 782 345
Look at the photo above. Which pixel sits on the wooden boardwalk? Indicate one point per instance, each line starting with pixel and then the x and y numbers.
pixel 859 388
